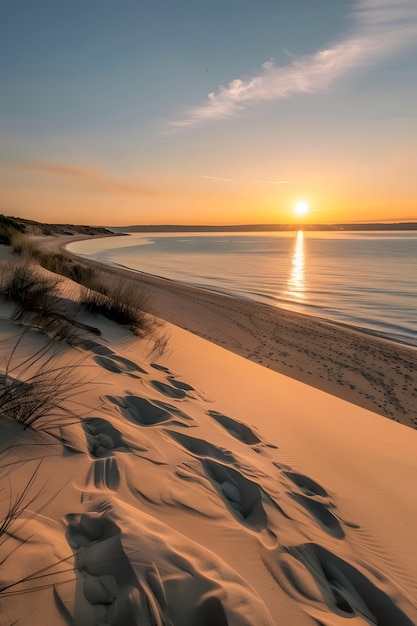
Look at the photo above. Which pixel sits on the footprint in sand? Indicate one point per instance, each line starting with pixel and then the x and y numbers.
pixel 102 440
pixel 160 368
pixel 145 413
pixel 102 437
pixel 168 390
pixel 243 497
pixel 94 346
pixel 132 569
pixel 173 388
pixel 239 431
pixel 336 584
pixel 321 513
pixel 118 364
pixel 311 490
pixel 319 510
pixel 306 484
pixel 170 408
pixel 104 474
pixel 201 448
pixel 179 384
pixel 109 360
pixel 107 582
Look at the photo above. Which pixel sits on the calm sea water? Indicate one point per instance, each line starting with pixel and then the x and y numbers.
pixel 365 279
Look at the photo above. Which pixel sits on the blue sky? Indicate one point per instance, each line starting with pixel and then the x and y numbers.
pixel 132 112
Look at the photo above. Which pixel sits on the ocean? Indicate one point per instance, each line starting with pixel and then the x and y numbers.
pixel 364 279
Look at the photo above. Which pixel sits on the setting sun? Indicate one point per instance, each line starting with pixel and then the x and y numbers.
pixel 301 208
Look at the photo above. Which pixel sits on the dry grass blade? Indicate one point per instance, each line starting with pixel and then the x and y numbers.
pixel 36 392
pixel 120 302
pixel 17 506
pixel 37 302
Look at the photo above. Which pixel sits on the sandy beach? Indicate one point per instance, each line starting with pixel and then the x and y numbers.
pixel 359 367
pixel 246 474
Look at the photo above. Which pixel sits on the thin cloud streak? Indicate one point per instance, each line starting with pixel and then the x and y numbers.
pixel 87 177
pixel 234 180
pixel 229 180
pixel 273 182
pixel 382 27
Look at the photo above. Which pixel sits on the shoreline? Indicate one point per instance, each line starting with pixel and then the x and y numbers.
pixel 401 341
pixel 359 315
pixel 368 370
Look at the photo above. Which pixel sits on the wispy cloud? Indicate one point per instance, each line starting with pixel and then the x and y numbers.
pixel 84 176
pixel 228 180
pixel 274 182
pixel 234 180
pixel 381 27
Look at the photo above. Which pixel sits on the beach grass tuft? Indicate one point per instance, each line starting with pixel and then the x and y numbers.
pixel 117 301
pixel 37 302
pixel 10 230
pixel 36 392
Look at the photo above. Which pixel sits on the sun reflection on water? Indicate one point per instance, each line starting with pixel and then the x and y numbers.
pixel 296 280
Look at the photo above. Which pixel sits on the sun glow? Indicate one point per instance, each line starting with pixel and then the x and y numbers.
pixel 301 208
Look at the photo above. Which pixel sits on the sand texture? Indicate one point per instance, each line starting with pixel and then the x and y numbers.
pixel 190 486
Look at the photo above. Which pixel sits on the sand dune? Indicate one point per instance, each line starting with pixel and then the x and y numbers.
pixel 198 487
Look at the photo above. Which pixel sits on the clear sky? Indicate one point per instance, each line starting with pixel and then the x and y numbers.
pixel 124 112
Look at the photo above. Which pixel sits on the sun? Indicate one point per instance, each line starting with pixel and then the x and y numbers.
pixel 301 208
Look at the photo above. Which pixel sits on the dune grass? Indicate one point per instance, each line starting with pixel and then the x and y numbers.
pixel 65 266
pixel 119 301
pixel 54 262
pixel 10 230
pixel 37 302
pixel 17 505
pixel 17 509
pixel 36 392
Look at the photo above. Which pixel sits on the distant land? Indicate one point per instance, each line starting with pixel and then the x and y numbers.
pixel 176 228
pixel 39 228
pixel 11 226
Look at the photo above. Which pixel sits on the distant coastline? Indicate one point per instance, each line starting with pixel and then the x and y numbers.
pixel 178 228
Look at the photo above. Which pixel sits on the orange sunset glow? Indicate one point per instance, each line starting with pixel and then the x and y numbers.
pixel 208 296
pixel 212 135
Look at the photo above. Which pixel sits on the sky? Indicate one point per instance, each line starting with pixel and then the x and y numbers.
pixel 118 112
